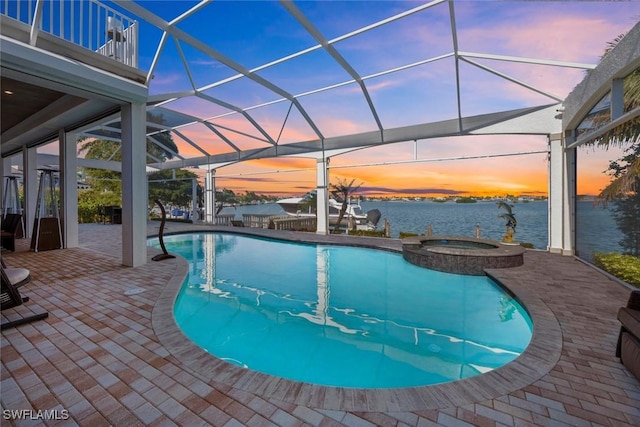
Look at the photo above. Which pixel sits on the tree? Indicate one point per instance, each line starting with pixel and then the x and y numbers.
pixel 627 133
pixel 624 188
pixel 106 185
pixel 626 212
pixel 90 199
pixel 160 146
pixel 225 196
pixel 341 191
pixel 173 187
pixel 626 207
pixel 100 149
pixel 247 197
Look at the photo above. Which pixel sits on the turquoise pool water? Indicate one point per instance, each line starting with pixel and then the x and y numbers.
pixel 341 316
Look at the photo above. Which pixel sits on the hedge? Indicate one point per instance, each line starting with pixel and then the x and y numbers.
pixel 624 267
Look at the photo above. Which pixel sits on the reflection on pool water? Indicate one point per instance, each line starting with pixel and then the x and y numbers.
pixel 341 316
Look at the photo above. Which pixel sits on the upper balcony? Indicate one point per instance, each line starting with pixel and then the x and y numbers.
pixel 84 30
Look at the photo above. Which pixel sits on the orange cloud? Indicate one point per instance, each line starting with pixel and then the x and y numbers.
pixel 279 176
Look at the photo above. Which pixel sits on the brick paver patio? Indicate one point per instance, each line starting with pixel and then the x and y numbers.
pixel 110 354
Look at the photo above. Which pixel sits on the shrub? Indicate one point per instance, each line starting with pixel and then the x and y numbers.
pixel 527 245
pixel 404 234
pixel 624 267
pixel 367 233
pixel 90 199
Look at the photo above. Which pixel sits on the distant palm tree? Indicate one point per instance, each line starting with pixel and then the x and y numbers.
pixel 341 191
pixel 626 133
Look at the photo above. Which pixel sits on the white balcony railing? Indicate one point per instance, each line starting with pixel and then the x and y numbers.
pixel 86 23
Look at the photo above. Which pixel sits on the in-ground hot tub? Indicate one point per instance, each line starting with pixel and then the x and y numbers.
pixel 461 255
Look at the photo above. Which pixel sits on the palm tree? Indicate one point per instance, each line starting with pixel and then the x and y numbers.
pixel 341 191
pixel 172 187
pixel 626 133
pixel 110 150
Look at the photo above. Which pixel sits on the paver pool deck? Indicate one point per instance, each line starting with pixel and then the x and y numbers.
pixel 112 357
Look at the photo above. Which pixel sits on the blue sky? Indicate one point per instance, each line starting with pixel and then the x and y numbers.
pixel 254 33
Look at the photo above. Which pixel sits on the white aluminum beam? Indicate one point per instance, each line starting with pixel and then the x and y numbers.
pixel 507 58
pixel 540 117
pixel 137 9
pixel 454 39
pixel 315 33
pixel 511 79
pixel 221 136
pixel 190 142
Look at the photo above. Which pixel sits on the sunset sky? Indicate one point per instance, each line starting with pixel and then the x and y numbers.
pixel 255 33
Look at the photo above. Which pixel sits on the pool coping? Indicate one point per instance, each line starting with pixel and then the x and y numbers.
pixel 540 356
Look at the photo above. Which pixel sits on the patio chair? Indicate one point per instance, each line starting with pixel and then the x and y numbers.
pixel 17 276
pixel 10 297
pixel 628 347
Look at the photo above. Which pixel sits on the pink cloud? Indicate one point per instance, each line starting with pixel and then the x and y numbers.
pixel 574 32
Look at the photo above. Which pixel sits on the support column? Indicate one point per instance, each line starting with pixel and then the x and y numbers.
pixel 30 187
pixel 69 188
pixel 555 188
pixel 569 202
pixel 194 201
pixel 561 196
pixel 322 198
pixel 210 197
pixel 134 185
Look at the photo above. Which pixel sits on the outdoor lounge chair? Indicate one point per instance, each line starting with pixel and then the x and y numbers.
pixel 17 276
pixel 10 296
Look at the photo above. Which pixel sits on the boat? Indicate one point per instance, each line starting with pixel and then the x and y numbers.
pixel 301 207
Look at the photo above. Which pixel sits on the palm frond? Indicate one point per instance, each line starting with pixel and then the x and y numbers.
pixel 624 184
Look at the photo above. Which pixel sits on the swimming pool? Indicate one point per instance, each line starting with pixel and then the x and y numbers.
pixel 341 316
